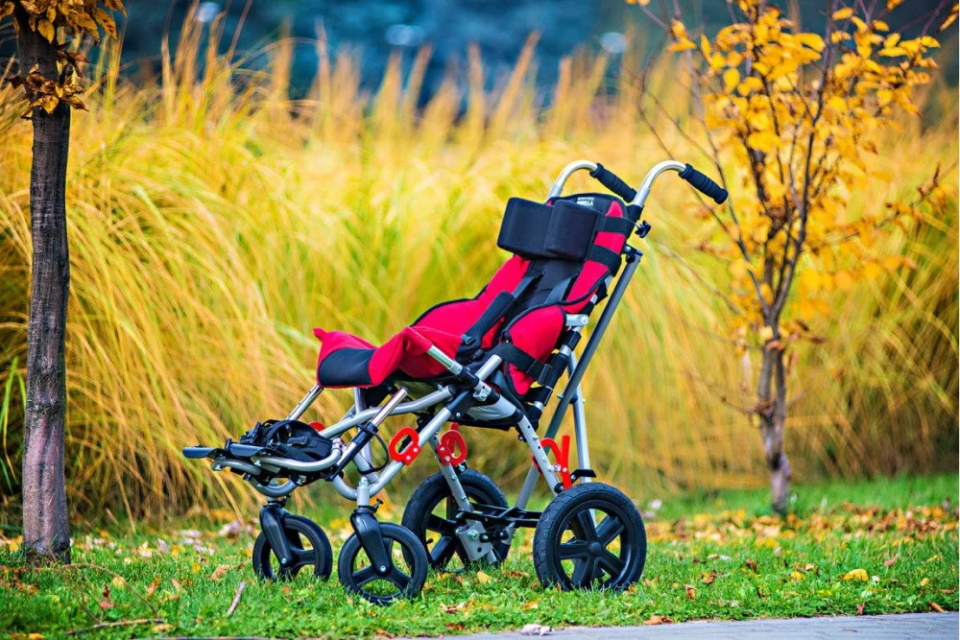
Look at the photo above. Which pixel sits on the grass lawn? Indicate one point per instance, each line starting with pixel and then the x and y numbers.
pixel 873 547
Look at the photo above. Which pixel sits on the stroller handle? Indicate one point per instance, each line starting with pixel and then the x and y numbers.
pixel 614 183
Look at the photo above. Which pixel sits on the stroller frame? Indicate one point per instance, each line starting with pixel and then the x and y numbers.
pixel 467 388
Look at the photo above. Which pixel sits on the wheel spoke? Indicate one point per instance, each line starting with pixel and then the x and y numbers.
pixel 574 549
pixel 609 530
pixel 443 551
pixel 583 527
pixel 611 563
pixel 364 576
pixel 585 572
pixel 303 557
pixel 398 578
pixel 441 526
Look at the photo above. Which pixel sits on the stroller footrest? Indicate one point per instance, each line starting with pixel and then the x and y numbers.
pixel 195 453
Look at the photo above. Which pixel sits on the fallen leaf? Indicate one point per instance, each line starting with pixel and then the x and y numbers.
pixel 153 586
pixel 860 608
pixel 796 576
pixel 709 577
pixel 936 607
pixel 691 591
pixel 176 584
pixel 161 627
pixel 533 604
pixel 655 620
pixel 891 561
pixel 483 578
pixel 219 572
pixel 752 565
pixel 119 582
pixel 455 626
pixel 925 582
pixel 856 574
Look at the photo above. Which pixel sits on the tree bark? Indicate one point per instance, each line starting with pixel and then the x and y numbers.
pixel 46 530
pixel 772 408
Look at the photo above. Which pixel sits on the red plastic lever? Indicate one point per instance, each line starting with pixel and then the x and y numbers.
pixel 411 451
pixel 562 453
pixel 317 426
pixel 452 449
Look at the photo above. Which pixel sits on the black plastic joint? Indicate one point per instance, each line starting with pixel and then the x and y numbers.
pixel 271 522
pixel 367 528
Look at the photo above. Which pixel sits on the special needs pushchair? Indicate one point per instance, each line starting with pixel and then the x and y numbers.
pixel 489 361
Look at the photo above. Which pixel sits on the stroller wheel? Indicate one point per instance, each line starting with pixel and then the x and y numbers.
pixel 431 514
pixel 309 545
pixel 590 536
pixel 405 578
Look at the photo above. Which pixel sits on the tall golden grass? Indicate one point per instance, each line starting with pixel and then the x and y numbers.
pixel 214 222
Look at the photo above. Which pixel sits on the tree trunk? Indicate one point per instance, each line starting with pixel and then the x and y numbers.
pixel 46 530
pixel 772 394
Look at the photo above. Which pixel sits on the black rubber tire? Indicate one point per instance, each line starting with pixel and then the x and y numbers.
pixel 592 563
pixel 419 518
pixel 407 584
pixel 267 566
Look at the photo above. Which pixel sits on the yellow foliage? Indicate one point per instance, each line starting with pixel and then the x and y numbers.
pixel 801 112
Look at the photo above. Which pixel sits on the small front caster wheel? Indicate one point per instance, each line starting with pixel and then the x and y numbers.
pixel 308 544
pixel 591 536
pixel 404 579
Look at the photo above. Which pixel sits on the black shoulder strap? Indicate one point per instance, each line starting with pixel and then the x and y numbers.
pixel 498 309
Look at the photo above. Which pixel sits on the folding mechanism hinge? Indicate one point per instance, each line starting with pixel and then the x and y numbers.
pixel 643 229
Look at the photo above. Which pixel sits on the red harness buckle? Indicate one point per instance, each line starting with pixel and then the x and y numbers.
pixel 411 451
pixel 562 453
pixel 452 449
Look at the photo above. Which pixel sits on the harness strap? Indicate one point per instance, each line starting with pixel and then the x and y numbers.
pixel 623 226
pixel 498 309
pixel 606 257
pixel 523 361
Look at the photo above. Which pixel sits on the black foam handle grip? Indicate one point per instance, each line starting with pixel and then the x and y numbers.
pixel 704 185
pixel 612 182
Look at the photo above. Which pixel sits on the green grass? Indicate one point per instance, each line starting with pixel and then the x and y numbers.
pixel 710 557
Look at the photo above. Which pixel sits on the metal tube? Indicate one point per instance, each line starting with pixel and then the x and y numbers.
pixel 296 465
pixel 644 190
pixel 568 392
pixel 529 484
pixel 388 408
pixel 569 170
pixel 580 422
pixel 305 403
pixel 233 463
pixel 539 455
pixel 278 491
pixel 489 367
pixel 408 407
pixel 449 363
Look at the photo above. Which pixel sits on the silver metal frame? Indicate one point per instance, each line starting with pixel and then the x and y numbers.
pixel 370 483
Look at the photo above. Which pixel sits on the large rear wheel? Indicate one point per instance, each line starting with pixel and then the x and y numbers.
pixel 591 536
pixel 432 515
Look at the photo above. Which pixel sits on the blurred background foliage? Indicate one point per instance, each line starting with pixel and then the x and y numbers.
pixel 220 206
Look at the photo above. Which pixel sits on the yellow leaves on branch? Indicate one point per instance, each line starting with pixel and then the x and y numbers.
pixel 803 112
pixel 72 19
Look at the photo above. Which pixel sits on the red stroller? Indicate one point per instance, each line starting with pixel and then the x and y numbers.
pixel 489 361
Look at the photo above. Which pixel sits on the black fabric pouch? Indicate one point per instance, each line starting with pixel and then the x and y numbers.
pixel 571 230
pixel 524 228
